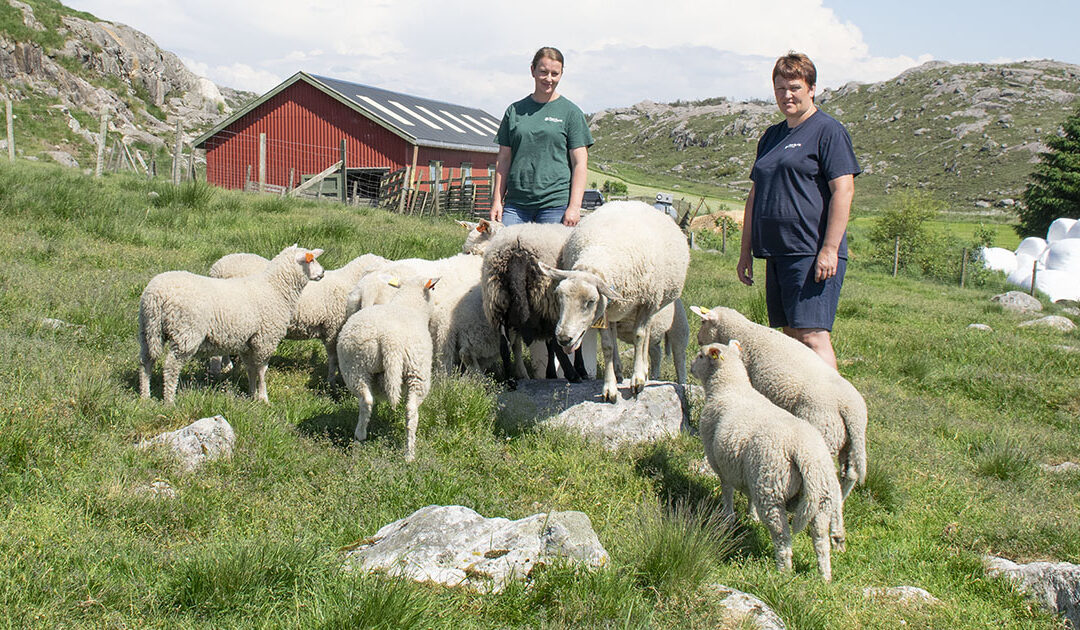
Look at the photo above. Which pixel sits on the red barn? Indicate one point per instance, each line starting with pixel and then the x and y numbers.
pixel 306 118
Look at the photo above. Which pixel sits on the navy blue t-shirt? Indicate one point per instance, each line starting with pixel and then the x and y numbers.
pixel 791 177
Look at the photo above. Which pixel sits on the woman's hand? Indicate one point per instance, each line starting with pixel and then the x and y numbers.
pixel 571 216
pixel 745 268
pixel 496 210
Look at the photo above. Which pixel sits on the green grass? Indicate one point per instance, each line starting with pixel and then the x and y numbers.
pixel 959 421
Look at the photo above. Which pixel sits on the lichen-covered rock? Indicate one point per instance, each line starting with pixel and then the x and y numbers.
pixel 202 440
pixel 902 594
pixel 455 546
pixel 1055 322
pixel 1017 301
pixel 1063 467
pixel 982 327
pixel 1055 585
pixel 658 411
pixel 743 610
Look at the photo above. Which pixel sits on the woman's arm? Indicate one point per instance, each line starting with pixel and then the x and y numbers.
pixel 498 192
pixel 745 268
pixel 843 190
pixel 579 172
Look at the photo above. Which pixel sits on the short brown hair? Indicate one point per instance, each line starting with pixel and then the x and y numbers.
pixel 548 52
pixel 795 66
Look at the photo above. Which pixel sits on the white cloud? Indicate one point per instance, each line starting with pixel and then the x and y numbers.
pixel 478 53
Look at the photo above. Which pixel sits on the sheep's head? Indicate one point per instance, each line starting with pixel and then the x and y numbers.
pixel 480 235
pixel 306 257
pixel 384 288
pixel 718 324
pixel 583 298
pixel 716 357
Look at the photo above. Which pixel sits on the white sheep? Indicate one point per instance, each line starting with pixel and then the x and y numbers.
pixel 479 235
pixel 321 312
pixel 795 378
pixel 182 313
pixel 385 349
pixel 621 265
pixel 769 455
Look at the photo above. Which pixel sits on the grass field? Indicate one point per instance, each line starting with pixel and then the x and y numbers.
pixel 959 422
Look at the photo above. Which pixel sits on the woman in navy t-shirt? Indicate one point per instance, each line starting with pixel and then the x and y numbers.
pixel 797 213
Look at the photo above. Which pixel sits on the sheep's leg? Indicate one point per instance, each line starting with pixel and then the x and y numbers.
pixel 146 369
pixel 551 371
pixel 256 378
pixel 366 404
pixel 568 368
pixel 775 519
pixel 519 358
pixel 615 355
pixel 641 350
pixel 678 357
pixel 332 370
pixel 848 476
pixel 656 355
pixel 215 366
pixel 588 355
pixel 171 372
pixel 412 419
pixel 819 533
pixel 727 499
pixel 611 385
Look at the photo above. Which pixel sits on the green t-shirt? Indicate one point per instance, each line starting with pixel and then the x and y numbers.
pixel 540 137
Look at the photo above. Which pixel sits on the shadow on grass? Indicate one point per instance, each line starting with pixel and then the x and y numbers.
pixel 338 427
pixel 676 488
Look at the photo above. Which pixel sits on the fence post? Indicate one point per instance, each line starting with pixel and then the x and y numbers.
pixel 435 186
pixel 247 177
pixel 404 190
pixel 343 194
pixel 1034 274
pixel 176 156
pixel 101 141
pixel 723 235
pixel 10 133
pixel 896 257
pixel 191 164
pixel 262 162
pixel 292 174
pixel 963 269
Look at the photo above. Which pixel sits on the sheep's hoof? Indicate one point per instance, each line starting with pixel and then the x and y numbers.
pixel 611 394
pixel 637 385
pixel 838 544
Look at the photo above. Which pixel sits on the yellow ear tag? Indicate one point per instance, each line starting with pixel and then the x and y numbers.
pixel 394 282
pixel 601 323
pixel 309 257
pixel 715 354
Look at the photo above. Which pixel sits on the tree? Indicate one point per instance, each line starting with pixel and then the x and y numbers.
pixel 1054 189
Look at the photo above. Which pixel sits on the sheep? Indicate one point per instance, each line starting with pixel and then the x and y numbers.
pixel 769 455
pixel 794 378
pixel 321 312
pixel 519 298
pixel 622 264
pixel 182 313
pixel 479 236
pixel 385 348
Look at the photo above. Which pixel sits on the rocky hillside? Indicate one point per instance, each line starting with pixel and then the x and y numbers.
pixel 970 132
pixel 62 68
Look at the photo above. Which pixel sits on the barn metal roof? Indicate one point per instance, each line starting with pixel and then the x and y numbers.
pixel 421 121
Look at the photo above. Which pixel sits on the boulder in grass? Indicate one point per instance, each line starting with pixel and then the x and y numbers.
pixel 982 327
pixel 743 610
pixel 1056 322
pixel 1055 585
pixel 902 594
pixel 202 440
pixel 658 411
pixel 1017 301
pixel 455 546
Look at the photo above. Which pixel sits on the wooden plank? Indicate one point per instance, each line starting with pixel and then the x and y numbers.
pixel 330 170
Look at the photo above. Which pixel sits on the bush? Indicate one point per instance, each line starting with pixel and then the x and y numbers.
pixel 614 187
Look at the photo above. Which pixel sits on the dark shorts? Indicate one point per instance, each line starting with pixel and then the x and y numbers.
pixel 793 298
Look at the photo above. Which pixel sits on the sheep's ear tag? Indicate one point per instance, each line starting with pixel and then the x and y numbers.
pixel 703 313
pixel 309 257
pixel 735 344
pixel 482 227
pixel 430 283
pixel 714 354
pixel 601 323
pixel 394 282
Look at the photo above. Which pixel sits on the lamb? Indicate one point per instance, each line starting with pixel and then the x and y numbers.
pixel 480 235
pixel 518 297
pixel 622 264
pixel 769 455
pixel 182 313
pixel 321 312
pixel 670 328
pixel 794 378
pixel 385 348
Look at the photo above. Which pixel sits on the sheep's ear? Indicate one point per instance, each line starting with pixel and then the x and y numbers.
pixel 714 353
pixel 734 343
pixel 430 284
pixel 607 291
pixel 551 272
pixel 468 225
pixel 483 226
pixel 317 252
pixel 701 312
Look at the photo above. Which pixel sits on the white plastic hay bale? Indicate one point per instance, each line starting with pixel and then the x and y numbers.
pixel 1059 229
pixel 1032 246
pixel 1064 255
pixel 1074 231
pixel 999 259
pixel 1057 284
pixel 1020 276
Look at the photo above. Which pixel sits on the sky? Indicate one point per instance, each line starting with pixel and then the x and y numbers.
pixel 617 54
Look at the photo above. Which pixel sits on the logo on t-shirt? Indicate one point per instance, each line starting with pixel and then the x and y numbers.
pixel 552 119
pixel 793 145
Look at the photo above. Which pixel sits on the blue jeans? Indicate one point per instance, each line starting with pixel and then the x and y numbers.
pixel 513 216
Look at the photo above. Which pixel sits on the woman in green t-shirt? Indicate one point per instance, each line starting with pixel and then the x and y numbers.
pixel 543 152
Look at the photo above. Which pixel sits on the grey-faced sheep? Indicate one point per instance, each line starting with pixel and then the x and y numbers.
pixel 519 297
pixel 794 378
pixel 622 264
pixel 182 313
pixel 385 350
pixel 770 455
pixel 321 311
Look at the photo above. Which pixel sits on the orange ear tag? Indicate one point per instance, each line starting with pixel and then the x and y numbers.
pixel 429 284
pixel 309 257
pixel 482 227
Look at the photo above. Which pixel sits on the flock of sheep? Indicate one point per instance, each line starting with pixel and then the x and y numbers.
pixel 774 417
